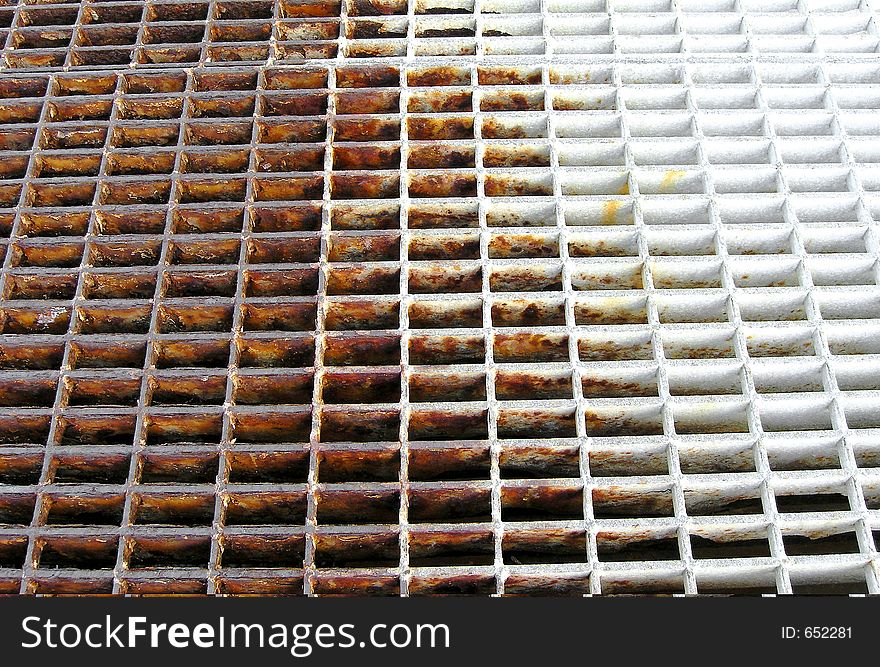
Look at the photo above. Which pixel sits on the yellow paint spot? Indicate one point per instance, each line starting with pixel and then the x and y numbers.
pixel 671 179
pixel 624 189
pixel 609 211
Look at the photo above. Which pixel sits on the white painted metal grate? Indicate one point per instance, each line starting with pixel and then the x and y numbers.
pixel 440 297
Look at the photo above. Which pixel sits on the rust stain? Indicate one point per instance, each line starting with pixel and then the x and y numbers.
pixel 671 179
pixel 611 208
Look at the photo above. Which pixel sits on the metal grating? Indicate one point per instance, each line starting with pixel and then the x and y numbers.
pixel 495 297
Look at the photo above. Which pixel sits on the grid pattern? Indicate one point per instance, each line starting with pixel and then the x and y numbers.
pixel 96 33
pixel 422 326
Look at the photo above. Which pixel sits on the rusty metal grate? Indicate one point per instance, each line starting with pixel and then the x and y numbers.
pixel 495 297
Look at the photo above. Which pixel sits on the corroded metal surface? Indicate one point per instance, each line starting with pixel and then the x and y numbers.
pixel 439 297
